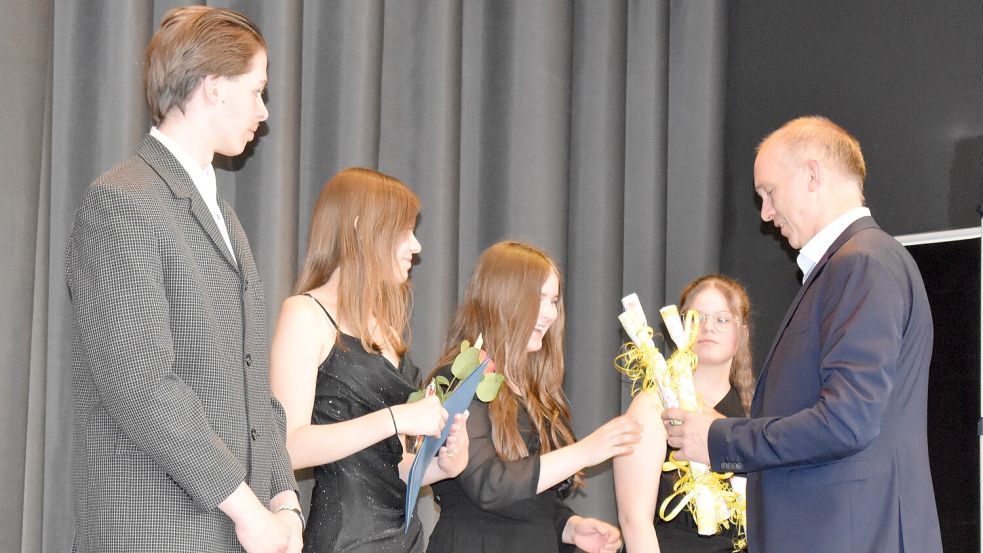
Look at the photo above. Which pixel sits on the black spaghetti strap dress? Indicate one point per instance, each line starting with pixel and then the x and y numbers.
pixel 357 502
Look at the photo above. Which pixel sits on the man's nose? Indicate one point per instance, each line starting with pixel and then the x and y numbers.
pixel 767 211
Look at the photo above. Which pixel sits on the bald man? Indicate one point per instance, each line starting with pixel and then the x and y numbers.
pixel 835 450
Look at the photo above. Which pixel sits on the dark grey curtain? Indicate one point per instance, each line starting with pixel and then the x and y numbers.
pixel 593 129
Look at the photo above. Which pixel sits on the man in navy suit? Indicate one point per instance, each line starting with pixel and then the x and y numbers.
pixel 835 450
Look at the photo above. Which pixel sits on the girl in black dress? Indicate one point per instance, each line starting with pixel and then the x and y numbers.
pixel 523 456
pixel 340 367
pixel 724 383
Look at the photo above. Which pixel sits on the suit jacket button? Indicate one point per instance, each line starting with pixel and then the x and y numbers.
pixel 253 434
pixel 249 360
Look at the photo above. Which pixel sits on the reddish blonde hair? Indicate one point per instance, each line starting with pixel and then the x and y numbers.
pixel 191 43
pixel 359 218
pixel 741 375
pixel 817 135
pixel 502 304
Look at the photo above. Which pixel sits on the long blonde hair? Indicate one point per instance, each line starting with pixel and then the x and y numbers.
pixel 502 303
pixel 358 220
pixel 741 376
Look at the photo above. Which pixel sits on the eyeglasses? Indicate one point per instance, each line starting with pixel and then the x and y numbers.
pixel 721 321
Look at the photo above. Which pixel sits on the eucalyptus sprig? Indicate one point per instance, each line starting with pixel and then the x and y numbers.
pixel 465 363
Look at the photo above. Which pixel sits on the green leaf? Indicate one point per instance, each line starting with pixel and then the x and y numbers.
pixel 442 380
pixel 465 363
pixel 415 396
pixel 489 386
pixel 465 345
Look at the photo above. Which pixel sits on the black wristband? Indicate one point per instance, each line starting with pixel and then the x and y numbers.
pixel 391 415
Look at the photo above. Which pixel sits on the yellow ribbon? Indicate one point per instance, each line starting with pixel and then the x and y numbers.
pixel 638 363
pixel 728 505
pixel 673 377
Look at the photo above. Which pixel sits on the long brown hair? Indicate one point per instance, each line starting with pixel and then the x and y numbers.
pixel 741 377
pixel 358 220
pixel 502 303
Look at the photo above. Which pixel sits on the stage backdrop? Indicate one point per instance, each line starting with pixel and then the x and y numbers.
pixel 594 129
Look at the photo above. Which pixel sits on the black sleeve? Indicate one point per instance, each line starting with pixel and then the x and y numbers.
pixel 561 514
pixel 504 488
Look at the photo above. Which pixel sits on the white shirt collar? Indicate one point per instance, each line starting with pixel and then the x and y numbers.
pixel 816 247
pixel 187 161
pixel 203 179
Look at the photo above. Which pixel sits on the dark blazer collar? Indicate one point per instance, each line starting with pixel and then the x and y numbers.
pixel 167 166
pixel 179 181
pixel 860 224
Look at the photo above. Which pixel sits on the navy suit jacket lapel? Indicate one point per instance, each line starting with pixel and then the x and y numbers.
pixel 181 185
pixel 855 227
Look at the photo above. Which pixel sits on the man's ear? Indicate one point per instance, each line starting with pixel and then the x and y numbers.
pixel 213 89
pixel 815 174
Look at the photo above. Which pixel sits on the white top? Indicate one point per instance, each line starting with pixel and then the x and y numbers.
pixel 816 247
pixel 204 179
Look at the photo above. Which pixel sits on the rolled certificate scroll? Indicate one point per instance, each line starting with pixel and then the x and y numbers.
pixel 708 495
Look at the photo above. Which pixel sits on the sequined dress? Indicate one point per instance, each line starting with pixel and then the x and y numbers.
pixel 357 502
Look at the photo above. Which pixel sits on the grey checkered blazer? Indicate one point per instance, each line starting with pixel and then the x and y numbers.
pixel 169 364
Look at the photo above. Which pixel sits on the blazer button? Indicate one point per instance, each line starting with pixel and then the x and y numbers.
pixel 253 434
pixel 249 360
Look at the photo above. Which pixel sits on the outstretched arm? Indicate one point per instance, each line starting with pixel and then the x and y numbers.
pixel 613 438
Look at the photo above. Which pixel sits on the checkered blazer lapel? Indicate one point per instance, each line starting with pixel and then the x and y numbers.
pixel 181 185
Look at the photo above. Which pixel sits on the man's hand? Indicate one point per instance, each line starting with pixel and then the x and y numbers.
pixel 258 529
pixel 687 431
pixel 292 521
pixel 283 505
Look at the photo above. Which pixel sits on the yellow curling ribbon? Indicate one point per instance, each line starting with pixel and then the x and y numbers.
pixel 707 495
pixel 638 362
pixel 722 507
pixel 688 485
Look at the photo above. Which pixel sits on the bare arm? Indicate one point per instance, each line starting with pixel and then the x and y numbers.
pixel 302 339
pixel 636 477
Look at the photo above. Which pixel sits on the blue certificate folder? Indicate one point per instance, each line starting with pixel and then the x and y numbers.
pixel 458 402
